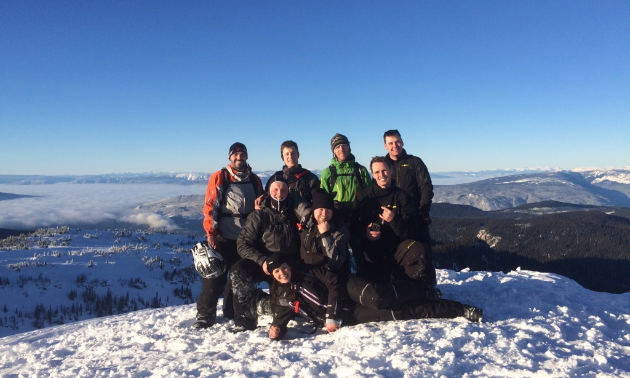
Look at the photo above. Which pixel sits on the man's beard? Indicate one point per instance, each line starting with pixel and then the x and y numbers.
pixel 240 166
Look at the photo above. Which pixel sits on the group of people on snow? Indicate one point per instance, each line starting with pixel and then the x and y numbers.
pixel 346 249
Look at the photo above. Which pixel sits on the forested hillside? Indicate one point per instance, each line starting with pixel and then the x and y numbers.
pixel 590 247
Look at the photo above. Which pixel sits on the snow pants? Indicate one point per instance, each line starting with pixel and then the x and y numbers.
pixel 443 308
pixel 382 296
pixel 244 276
pixel 212 288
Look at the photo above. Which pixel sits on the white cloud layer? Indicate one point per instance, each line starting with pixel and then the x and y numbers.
pixel 86 204
pixel 152 220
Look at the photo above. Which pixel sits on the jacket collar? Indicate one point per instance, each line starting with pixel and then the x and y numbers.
pixel 350 160
pixel 275 207
pixel 292 171
pixel 239 175
pixel 380 191
pixel 403 155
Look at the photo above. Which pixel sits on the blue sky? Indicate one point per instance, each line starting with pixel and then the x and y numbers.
pixel 135 86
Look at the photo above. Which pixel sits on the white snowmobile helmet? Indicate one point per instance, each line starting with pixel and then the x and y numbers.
pixel 209 262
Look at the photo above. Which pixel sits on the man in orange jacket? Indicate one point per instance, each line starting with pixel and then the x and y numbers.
pixel 230 197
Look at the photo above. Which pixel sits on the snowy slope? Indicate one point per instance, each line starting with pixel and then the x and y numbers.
pixel 510 191
pixel 66 274
pixel 536 324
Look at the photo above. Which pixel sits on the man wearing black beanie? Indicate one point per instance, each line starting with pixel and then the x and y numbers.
pixel 324 238
pixel 230 197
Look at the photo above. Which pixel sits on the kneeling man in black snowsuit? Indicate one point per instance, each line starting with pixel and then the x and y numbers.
pixel 294 293
pixel 273 228
pixel 386 223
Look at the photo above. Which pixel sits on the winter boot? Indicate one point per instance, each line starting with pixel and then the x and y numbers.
pixel 473 314
pixel 244 324
pixel 204 321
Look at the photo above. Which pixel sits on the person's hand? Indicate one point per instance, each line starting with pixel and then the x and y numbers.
pixel 274 332
pixel 387 215
pixel 264 266
pixel 323 227
pixel 372 235
pixel 212 240
pixel 257 202
pixel 332 327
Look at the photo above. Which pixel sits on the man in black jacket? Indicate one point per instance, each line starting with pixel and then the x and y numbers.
pixel 294 293
pixel 324 237
pixel 272 229
pixel 300 180
pixel 385 220
pixel 409 173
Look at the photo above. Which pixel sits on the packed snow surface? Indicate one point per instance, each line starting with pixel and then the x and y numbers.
pixel 535 324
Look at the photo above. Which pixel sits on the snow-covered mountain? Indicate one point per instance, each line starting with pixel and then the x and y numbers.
pixel 462 177
pixel 535 324
pixel 615 179
pixel 113 178
pixel 486 190
pixel 615 175
pixel 586 188
pixel 441 178
pixel 445 178
pixel 491 194
pixel 122 178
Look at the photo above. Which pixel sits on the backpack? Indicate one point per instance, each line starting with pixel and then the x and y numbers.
pixel 333 176
pixel 301 183
pixel 226 181
pixel 299 176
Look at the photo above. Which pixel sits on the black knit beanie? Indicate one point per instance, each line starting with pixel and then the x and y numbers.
pixel 322 200
pixel 276 260
pixel 237 147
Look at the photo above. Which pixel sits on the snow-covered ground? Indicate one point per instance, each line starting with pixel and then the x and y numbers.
pixel 66 274
pixel 535 324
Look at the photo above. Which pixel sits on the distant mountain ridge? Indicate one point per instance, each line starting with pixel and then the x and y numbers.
pixel 202 177
pixel 598 176
pixel 122 178
pixel 595 187
pixel 599 188
pixel 114 178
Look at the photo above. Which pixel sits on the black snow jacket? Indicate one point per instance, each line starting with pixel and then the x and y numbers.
pixel 329 249
pixel 299 180
pixel 368 207
pixel 411 175
pixel 272 229
pixel 312 295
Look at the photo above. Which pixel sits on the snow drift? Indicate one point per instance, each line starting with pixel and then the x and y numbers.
pixel 535 324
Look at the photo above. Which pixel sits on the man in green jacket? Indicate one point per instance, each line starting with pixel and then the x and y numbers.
pixel 344 176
